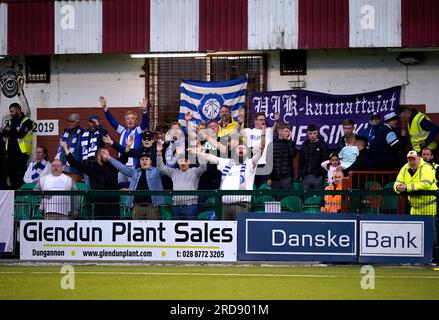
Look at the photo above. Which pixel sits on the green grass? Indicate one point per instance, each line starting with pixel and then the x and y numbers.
pixel 212 282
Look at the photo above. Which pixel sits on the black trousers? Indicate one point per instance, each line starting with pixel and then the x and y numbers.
pixel 16 168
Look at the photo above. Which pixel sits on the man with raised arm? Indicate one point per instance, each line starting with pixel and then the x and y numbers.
pixel 130 128
pixel 237 173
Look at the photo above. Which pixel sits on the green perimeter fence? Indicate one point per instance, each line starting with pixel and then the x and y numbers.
pixel 114 205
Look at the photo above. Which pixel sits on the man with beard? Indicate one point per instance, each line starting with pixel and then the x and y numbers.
pixel 427 156
pixel 227 125
pixel 237 173
pixel 18 133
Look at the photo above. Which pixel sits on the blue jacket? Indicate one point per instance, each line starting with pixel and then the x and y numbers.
pixel 152 177
pixel 73 140
pixel 124 132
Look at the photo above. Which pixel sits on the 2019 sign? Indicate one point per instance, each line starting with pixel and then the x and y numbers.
pixel 46 127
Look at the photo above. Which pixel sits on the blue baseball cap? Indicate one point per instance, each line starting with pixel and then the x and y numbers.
pixel 93 117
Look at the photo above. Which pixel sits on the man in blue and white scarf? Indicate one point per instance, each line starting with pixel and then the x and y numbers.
pixel 130 128
pixel 91 141
pixel 72 137
pixel 237 173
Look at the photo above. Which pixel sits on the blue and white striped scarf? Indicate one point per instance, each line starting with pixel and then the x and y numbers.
pixel 89 146
pixel 229 166
pixel 37 169
pixel 71 144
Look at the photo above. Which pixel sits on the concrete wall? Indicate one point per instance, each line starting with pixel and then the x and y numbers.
pixel 79 80
pixel 362 70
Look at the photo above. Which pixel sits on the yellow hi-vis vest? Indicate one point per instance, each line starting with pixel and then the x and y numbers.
pixel 417 134
pixel 24 143
pixel 423 179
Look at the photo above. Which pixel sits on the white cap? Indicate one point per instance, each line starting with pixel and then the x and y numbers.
pixel 390 116
pixel 412 154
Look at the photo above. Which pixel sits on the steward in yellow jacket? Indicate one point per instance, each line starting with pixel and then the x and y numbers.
pixel 417 175
pixel 421 129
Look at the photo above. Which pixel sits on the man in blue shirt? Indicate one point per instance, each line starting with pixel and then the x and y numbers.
pixel 130 128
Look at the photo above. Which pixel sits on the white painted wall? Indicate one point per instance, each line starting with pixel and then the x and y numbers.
pixel 361 70
pixel 79 80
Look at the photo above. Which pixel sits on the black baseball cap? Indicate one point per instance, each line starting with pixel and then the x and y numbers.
pixel 147 135
pixel 145 154
pixel 374 115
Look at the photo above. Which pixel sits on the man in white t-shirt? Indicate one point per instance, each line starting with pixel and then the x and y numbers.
pixel 253 137
pixel 56 207
pixel 237 173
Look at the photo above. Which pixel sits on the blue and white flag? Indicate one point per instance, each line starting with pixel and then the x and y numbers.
pixel 204 99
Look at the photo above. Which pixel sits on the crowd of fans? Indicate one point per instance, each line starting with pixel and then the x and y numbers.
pixel 222 154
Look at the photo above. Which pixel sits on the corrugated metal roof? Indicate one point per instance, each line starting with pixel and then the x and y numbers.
pixel 374 23
pixel 125 26
pixel 273 24
pixel 174 25
pixel 31 27
pixel 3 28
pixel 323 24
pixel 420 23
pixel 78 26
pixel 223 25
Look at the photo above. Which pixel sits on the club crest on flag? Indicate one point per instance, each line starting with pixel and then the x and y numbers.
pixel 209 108
pixel 204 99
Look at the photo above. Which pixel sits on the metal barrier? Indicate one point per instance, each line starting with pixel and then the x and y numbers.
pixel 204 205
pixel 376 181
pixel 207 205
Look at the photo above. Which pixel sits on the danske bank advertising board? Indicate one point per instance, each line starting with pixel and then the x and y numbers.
pixel 133 240
pixel 334 237
pixel 297 237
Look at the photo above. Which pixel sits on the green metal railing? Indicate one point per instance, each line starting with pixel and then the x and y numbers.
pixel 87 204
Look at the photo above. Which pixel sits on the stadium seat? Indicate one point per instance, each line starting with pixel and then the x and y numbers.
pixel 209 204
pixel 125 212
pixel 22 210
pixel 372 203
pixel 264 186
pixel 36 213
pixel 81 186
pixel 314 201
pixel 259 204
pixel 207 215
pixel 312 204
pixel 263 199
pixel 298 186
pixel 390 202
pixel 28 186
pixel 24 206
pixel 291 204
pixel 166 212
pixel 311 210
pixel 389 185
